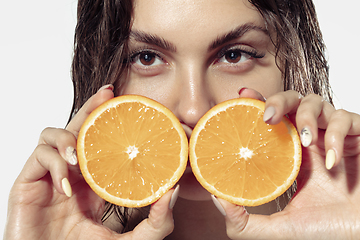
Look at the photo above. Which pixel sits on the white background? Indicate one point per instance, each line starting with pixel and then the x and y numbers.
pixel 36 42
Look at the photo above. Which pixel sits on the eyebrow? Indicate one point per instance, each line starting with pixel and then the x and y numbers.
pixel 141 36
pixel 238 32
pixel 234 34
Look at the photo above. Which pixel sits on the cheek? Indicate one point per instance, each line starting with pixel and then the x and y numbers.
pixel 160 88
pixel 272 85
pixel 266 79
pixel 262 83
pixel 274 78
pixel 275 82
pixel 138 85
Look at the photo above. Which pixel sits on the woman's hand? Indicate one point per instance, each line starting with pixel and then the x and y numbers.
pixel 51 200
pixel 327 202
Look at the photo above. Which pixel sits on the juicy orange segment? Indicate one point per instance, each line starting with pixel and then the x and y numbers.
pixel 236 156
pixel 132 150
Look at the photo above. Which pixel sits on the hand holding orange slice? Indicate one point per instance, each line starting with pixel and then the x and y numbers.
pixel 132 150
pixel 236 156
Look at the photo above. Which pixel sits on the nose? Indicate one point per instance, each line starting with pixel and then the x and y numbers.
pixel 194 97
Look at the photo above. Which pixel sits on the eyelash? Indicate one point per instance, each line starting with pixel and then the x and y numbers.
pixel 253 53
pixel 241 50
pixel 136 53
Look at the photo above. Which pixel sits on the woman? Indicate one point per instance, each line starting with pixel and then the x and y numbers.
pixel 189 56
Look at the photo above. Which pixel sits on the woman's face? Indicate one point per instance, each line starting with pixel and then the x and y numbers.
pixel 191 55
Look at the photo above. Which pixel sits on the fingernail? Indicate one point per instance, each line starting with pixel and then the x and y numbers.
pixel 70 155
pixel 305 137
pixel 241 90
pixel 330 159
pixel 218 205
pixel 269 113
pixel 108 86
pixel 174 197
pixel 65 184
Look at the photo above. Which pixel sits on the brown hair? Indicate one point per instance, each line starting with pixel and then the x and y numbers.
pixel 299 43
pixel 101 35
pixel 103 29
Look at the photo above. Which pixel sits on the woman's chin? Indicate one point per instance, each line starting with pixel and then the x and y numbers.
pixel 191 189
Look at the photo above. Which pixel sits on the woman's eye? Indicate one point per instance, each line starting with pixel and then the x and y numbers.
pixel 147 59
pixel 234 57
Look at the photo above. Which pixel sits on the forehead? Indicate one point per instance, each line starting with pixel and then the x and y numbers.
pixel 193 17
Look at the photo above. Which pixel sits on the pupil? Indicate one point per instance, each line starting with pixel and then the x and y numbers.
pixel 147 58
pixel 233 57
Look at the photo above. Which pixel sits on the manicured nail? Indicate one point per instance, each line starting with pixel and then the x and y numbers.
pixel 66 187
pixel 305 137
pixel 269 113
pixel 330 159
pixel 174 197
pixel 241 90
pixel 108 86
pixel 218 205
pixel 70 155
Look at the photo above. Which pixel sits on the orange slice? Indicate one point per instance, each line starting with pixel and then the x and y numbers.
pixel 132 150
pixel 236 156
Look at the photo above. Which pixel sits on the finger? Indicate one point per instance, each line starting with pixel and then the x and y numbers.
pixel 280 104
pixel 250 93
pixel 341 124
pixel 105 93
pixel 307 113
pixel 46 159
pixel 55 150
pixel 160 222
pixel 241 225
pixel 236 217
pixel 63 141
pixel 312 114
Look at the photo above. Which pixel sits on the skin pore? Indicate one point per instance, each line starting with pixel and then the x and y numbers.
pixel 190 56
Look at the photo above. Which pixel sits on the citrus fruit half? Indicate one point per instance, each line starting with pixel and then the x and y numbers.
pixel 132 150
pixel 236 156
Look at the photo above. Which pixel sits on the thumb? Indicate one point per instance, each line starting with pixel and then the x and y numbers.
pixel 160 222
pixel 242 225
